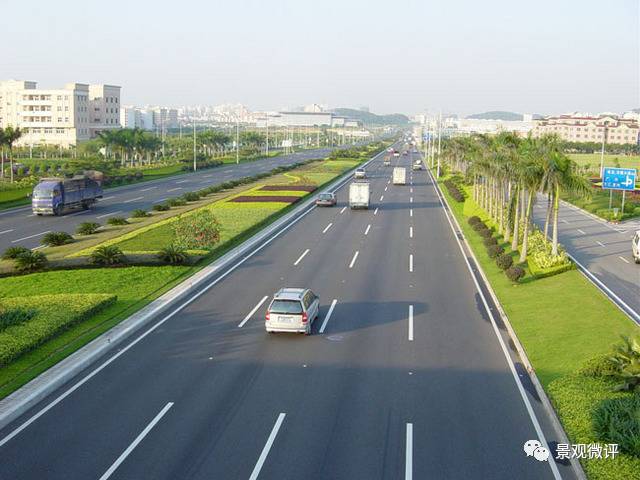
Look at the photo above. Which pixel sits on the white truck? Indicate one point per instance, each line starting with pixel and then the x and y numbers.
pixel 399 176
pixel 359 195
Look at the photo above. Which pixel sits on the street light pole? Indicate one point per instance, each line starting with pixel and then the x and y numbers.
pixel 195 164
pixel 439 137
pixel 267 122
pixel 237 140
pixel 604 135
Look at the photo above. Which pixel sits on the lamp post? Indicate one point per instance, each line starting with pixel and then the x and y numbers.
pixel 237 140
pixel 195 164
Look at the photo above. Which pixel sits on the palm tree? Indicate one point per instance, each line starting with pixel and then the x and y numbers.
pixel 2 144
pixel 11 135
pixel 532 177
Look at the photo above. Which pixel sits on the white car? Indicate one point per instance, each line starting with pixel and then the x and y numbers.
pixel 360 173
pixel 635 247
pixel 292 310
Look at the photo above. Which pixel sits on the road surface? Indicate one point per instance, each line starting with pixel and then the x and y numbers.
pixel 403 377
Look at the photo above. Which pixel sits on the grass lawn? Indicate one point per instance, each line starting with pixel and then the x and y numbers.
pixel 14 197
pixel 598 204
pixel 593 160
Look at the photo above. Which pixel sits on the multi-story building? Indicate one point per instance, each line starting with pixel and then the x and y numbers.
pixel 586 128
pixel 151 118
pixel 62 117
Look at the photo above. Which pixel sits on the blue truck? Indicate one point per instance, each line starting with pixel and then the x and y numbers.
pixel 52 196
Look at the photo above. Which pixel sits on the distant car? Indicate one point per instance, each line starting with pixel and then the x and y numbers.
pixel 406 152
pixel 396 154
pixel 635 247
pixel 326 199
pixel 416 166
pixel 292 310
pixel 360 173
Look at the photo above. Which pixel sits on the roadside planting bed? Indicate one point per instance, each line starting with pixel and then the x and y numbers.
pixel 563 323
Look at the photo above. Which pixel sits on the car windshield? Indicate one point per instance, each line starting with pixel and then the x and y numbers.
pixel 286 306
pixel 42 193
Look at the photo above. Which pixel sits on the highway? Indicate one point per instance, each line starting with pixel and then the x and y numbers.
pixel 404 377
pixel 18 226
pixel 602 249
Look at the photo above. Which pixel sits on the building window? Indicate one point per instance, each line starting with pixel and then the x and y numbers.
pixel 59 119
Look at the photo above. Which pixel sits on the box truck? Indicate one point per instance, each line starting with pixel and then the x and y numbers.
pixel 359 195
pixel 53 195
pixel 399 176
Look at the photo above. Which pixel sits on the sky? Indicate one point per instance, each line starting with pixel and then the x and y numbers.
pixel 408 56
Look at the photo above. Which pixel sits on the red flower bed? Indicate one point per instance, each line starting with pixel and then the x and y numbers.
pixel 290 188
pixel 266 198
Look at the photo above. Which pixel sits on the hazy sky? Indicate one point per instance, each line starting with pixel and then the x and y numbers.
pixel 464 56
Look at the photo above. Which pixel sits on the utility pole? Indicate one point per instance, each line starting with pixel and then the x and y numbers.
pixel 195 165
pixel 267 123
pixel 439 137
pixel 604 135
pixel 237 140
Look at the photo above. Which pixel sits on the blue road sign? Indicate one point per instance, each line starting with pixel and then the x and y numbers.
pixel 619 178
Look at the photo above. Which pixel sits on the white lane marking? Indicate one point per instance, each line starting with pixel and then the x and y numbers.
pixel 366 232
pixel 160 200
pixel 108 198
pixel 411 323
pixel 327 228
pixel 505 351
pixel 147 189
pixel 385 188
pixel 252 312
pixel 410 199
pixel 600 243
pixel 301 257
pixel 31 215
pixel 328 316
pixel 563 220
pixel 411 212
pixel 109 214
pixel 174 189
pixel 343 209
pixel 181 181
pixel 582 232
pixel 389 182
pixel 133 200
pixel 411 190
pixel 135 443
pixel 410 232
pixel 411 262
pixel 381 197
pixel 623 259
pixel 6 231
pixel 267 447
pixel 30 236
pixel 408 459
pixel 375 212
pixel 353 260
pixel 207 176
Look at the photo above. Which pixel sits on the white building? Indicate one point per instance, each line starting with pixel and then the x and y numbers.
pixel 153 118
pixel 468 126
pixel 63 116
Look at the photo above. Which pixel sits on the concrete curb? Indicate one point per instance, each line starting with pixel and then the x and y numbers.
pixel 30 394
pixel 546 403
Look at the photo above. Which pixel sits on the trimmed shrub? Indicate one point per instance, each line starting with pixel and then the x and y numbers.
pixel 191 197
pixel 161 207
pixel 14 316
pixel 618 421
pixel 196 230
pixel 490 241
pixel 514 273
pixel 54 239
pixel 140 213
pixel 485 233
pixel 494 250
pixel 474 220
pixel 117 221
pixel 87 228
pixel 479 226
pixel 12 252
pixel 176 202
pixel 31 261
pixel 626 362
pixel 504 261
pixel 107 255
pixel 173 254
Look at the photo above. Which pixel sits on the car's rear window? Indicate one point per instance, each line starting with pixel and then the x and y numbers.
pixel 325 196
pixel 286 306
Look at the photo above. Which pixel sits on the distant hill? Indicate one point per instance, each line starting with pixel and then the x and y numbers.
pixel 636 110
pixel 497 115
pixel 371 118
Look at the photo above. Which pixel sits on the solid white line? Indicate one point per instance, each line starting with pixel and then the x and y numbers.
pixel 255 309
pixel 411 212
pixel 38 248
pixel 327 228
pixel 108 198
pixel 181 181
pixel 160 200
pixel 600 243
pixel 375 212
pixel 109 214
pixel 411 323
pixel 301 257
pixel 505 352
pixel 147 189
pixel 623 259
pixel 410 232
pixel 582 232
pixel 135 443
pixel 6 231
pixel 381 197
pixel 366 232
pixel 411 262
pixel 174 189
pixel 343 209
pixel 267 447
pixel 353 260
pixel 408 460
pixel 328 315
pixel 30 236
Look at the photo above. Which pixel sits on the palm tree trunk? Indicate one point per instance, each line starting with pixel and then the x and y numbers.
pixel 507 224
pixel 516 220
pixel 525 234
pixel 11 163
pixel 548 217
pixel 556 208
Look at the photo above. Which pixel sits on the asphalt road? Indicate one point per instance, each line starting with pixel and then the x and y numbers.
pixel 406 377
pixel 601 248
pixel 18 226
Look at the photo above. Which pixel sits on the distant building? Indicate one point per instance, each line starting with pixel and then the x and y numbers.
pixel 586 128
pixel 313 108
pixel 151 118
pixel 301 119
pixel 63 116
pixel 469 126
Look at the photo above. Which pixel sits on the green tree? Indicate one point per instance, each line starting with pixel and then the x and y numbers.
pixel 11 136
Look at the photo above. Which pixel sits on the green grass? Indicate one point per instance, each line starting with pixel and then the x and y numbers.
pixel 598 204
pixel 14 197
pixel 593 160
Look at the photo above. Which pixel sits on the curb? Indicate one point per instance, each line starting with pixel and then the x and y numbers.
pixel 546 403
pixel 17 403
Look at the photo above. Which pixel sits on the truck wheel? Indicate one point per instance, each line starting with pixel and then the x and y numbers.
pixel 85 206
pixel 57 211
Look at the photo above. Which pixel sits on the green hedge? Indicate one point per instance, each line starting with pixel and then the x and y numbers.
pixel 53 314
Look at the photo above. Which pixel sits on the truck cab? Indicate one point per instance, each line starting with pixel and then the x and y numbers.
pixel 47 198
